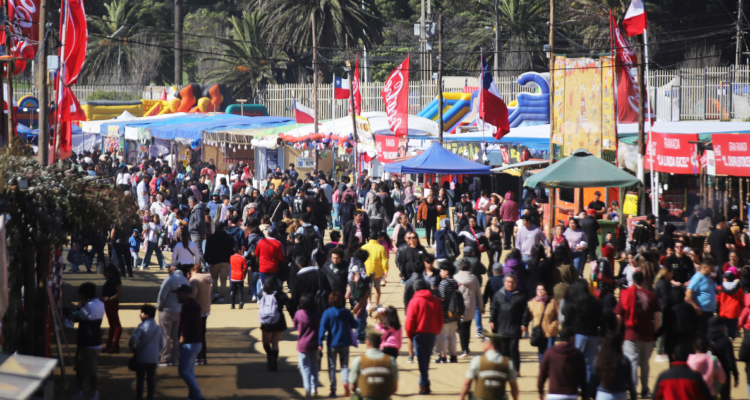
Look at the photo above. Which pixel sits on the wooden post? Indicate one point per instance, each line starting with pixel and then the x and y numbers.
pixel 441 123
pixel 41 87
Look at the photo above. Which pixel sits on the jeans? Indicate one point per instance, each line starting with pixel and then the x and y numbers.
pixel 186 369
pixel 446 340
pixel 343 353
pixel 362 320
pixel 612 396
pixel 147 372
pixel 336 207
pixel 134 256
pixel 198 239
pixel 236 287
pixel 255 284
pixel 525 258
pixel 423 345
pixel 509 348
pixel 579 261
pixel 464 333
pixel 202 353
pixel 546 345
pixel 308 368
pixel 410 212
pixel 151 247
pixel 478 320
pixel 589 346
pixel 638 352
pixel 481 219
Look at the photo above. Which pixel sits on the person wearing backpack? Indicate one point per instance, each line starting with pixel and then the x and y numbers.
pixel 272 321
pixel 446 242
pixel 336 327
pixel 446 340
pixel 509 317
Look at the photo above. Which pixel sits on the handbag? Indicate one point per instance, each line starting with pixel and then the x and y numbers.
pixel 537 337
pixel 133 361
pixel 481 247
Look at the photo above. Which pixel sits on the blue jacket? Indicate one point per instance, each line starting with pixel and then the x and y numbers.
pixel 135 243
pixel 440 244
pixel 338 323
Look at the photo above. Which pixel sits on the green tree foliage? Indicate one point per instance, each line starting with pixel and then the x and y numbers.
pixel 246 62
pixel 201 25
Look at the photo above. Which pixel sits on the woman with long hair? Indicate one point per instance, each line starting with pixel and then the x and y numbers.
pixel 186 251
pixel 613 376
pixel 397 194
pixel 409 200
pixel 540 270
pixel 663 292
pixel 428 213
pixel 201 282
pixel 494 234
pixel 537 309
pixel 111 293
pixel 397 216
pixel 577 241
pixel 378 215
pixel 319 212
pixel 649 272
pixel 272 330
pixel 582 313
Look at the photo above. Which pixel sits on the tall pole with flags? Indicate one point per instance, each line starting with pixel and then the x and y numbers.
pixel 354 85
pixel 60 77
pixel 315 85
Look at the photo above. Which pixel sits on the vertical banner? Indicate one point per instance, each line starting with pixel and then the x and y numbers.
pixel 558 111
pixel 609 128
pixel 396 99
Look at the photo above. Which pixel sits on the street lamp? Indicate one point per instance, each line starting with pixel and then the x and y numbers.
pixel 118 34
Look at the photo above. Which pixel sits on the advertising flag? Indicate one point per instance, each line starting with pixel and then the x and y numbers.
pixel 396 98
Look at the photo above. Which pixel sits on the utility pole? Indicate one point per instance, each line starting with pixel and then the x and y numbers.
pixel 441 123
pixel 497 42
pixel 423 41
pixel 553 193
pixel 41 87
pixel 641 145
pixel 738 52
pixel 315 84
pixel 178 43
pixel 9 67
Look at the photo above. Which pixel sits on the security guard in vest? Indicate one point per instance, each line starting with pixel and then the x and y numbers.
pixel 373 375
pixel 491 371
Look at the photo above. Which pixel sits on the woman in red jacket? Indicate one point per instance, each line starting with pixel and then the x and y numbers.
pixel 731 301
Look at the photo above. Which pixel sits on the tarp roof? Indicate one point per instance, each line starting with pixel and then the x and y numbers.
pixel 581 169
pixel 437 160
pixel 120 125
pixel 193 130
pixel 254 124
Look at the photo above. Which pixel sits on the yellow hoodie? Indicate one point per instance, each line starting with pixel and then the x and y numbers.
pixel 377 262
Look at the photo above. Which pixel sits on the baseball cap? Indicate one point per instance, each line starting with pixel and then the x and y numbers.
pixel 598 193
pixel 272 231
pixel 697 207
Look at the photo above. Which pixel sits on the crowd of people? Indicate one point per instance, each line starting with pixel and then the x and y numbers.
pixel 319 250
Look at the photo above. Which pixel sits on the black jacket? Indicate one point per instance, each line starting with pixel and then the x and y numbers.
pixel 465 208
pixel 333 281
pixel 346 212
pixel 197 220
pixel 409 287
pixel 407 258
pixel 662 291
pixel 493 286
pixel 744 355
pixel 350 231
pixel 509 314
pixel 219 248
pixel 590 323
pixel 721 347
pixel 306 282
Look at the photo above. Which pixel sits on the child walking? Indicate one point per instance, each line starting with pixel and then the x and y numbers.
pixel 237 276
pixel 390 325
pixel 307 322
pixel 135 246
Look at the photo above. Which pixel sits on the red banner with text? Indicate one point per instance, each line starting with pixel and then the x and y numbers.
pixel 672 153
pixel 390 147
pixel 732 153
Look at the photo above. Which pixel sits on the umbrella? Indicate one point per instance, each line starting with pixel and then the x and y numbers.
pixel 581 170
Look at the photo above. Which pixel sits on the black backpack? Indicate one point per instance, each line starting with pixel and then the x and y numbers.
pixel 456 306
pixel 450 245
pixel 641 234
pixel 309 236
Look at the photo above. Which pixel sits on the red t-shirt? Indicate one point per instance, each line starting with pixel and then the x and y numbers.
pixel 646 305
pixel 270 253
pixel 239 266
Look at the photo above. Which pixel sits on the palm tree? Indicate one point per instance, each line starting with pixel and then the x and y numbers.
pixel 125 16
pixel 290 21
pixel 245 62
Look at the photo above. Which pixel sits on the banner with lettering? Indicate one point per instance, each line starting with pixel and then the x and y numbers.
pixel 390 147
pixel 672 153
pixel 732 154
pixel 396 99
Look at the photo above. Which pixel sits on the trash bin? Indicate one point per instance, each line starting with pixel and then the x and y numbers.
pixel 607 227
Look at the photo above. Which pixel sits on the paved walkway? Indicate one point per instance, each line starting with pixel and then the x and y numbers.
pixel 236 361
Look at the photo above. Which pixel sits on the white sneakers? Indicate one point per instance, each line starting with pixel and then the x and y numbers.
pixel 661 358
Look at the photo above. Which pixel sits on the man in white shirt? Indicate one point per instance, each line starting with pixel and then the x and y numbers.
pixel 159 206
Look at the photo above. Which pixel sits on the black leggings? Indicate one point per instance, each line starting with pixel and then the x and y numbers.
pixel 234 289
pixel 430 227
pixel 495 249
pixel 464 330
pixel 508 232
pixel 391 351
pixel 147 372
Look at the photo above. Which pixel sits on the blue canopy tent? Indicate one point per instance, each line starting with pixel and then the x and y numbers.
pixel 193 130
pixel 437 160
pixel 120 126
pixel 253 123
pixel 81 141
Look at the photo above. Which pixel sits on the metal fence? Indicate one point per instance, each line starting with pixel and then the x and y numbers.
pixel 278 98
pixel 116 92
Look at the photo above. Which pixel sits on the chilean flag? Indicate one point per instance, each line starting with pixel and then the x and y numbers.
pixel 492 108
pixel 340 88
pixel 302 114
pixel 635 21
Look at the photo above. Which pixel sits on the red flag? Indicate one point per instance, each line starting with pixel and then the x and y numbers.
pixel 74 38
pixel 302 114
pixel 627 85
pixel 635 21
pixel 396 98
pixel 340 88
pixel 355 88
pixel 493 113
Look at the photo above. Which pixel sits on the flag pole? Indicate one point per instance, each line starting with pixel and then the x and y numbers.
pixel 355 140
pixel 654 183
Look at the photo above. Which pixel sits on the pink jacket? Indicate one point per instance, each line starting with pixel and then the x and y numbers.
pixel 744 321
pixel 391 337
pixel 708 366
